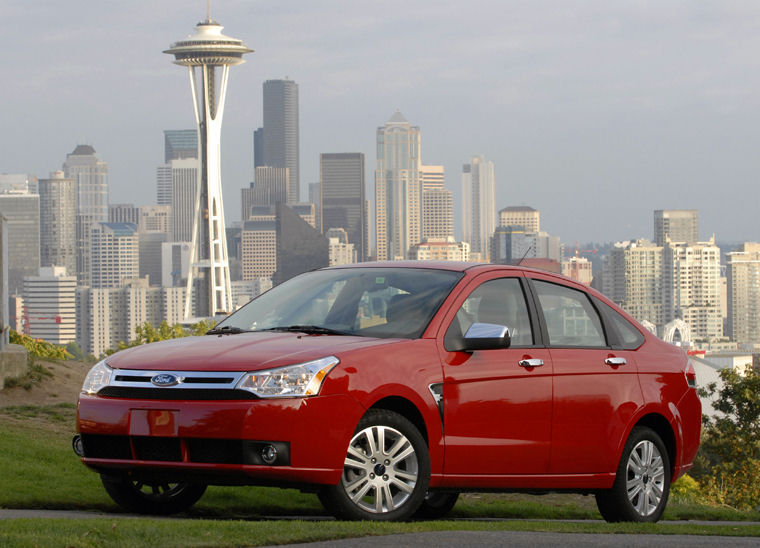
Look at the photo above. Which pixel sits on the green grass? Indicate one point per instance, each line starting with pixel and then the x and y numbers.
pixel 41 471
pixel 169 533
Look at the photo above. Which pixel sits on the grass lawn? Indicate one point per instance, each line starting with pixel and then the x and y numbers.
pixel 41 471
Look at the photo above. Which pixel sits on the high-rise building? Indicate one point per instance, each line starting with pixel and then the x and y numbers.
pixel 22 212
pixel 398 189
pixel 633 278
pixel 91 175
pixel 259 246
pixel 270 187
pixel 341 251
pixel 180 144
pixel 440 249
pixel 523 216
pixel 106 317
pixel 164 184
pixel 679 225
pixel 58 222
pixel 208 54
pixel 300 246
pixel 513 245
pixel 123 213
pixel 743 279
pixel 692 287
pixel 184 174
pixel 115 254
pixel 432 178
pixel 50 305
pixel 342 197
pixel 279 137
pixel 18 182
pixel 437 214
pixel 578 269
pixel 315 198
pixel 175 263
pixel 149 246
pixel 155 218
pixel 478 204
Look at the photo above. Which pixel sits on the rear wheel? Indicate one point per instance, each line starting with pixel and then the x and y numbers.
pixel 385 473
pixel 152 497
pixel 642 483
pixel 436 504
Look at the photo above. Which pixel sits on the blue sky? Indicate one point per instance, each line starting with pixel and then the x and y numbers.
pixel 593 112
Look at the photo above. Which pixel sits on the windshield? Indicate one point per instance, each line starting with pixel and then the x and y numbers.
pixel 369 302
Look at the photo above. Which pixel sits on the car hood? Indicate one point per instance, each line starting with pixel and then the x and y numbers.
pixel 241 352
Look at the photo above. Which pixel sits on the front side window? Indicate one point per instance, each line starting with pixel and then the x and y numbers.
pixel 371 302
pixel 571 319
pixel 500 302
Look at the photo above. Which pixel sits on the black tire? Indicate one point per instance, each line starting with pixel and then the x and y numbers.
pixel 381 483
pixel 157 498
pixel 642 483
pixel 436 504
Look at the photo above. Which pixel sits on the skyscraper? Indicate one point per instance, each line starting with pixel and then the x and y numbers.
pixel 180 144
pixel 184 185
pixel 437 204
pixel 398 193
pixel 208 55
pixel 524 216
pixel 50 305
pixel 279 137
pixel 22 211
pixel 743 277
pixel 58 222
pixel 115 255
pixel 269 188
pixel 478 204
pixel 342 197
pixel 91 175
pixel 680 225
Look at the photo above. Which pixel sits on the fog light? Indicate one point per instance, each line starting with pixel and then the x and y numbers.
pixel 77 445
pixel 269 454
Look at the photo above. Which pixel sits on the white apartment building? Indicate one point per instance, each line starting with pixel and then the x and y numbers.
pixel 115 254
pixel 440 249
pixel 50 305
pixel 478 205
pixel 743 295
pixel 692 287
pixel 578 269
pixel 524 216
pixel 106 317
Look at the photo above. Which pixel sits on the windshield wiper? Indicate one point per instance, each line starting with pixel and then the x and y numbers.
pixel 309 330
pixel 226 330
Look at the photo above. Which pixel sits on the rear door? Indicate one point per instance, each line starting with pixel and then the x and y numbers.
pixel 595 384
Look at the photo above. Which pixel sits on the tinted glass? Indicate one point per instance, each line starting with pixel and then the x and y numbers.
pixel 371 302
pixel 500 302
pixel 630 337
pixel 571 320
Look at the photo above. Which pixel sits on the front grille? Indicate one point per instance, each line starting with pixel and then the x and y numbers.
pixel 197 450
pixel 185 385
pixel 171 393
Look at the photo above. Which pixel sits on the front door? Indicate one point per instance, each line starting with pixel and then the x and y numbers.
pixel 497 404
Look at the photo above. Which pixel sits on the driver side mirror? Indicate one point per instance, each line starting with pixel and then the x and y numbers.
pixel 485 336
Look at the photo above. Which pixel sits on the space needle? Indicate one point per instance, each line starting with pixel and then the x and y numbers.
pixel 208 54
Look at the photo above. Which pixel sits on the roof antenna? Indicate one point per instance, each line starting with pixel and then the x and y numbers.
pixel 208 10
pixel 525 254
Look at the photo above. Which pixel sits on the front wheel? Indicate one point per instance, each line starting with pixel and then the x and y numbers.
pixel 385 473
pixel 160 498
pixel 642 484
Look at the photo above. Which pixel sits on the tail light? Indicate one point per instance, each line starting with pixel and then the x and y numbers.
pixel 691 374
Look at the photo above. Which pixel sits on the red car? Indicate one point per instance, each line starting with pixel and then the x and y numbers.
pixel 389 388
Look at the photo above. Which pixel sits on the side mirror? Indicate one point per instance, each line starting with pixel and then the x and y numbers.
pixel 486 336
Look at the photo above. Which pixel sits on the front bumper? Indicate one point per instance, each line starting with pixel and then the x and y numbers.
pixel 219 442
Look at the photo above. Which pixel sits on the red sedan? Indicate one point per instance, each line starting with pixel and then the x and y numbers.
pixel 389 388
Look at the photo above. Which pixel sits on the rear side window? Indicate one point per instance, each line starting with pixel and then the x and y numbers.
pixel 630 337
pixel 571 319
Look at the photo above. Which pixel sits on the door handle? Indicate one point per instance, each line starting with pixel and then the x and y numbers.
pixel 531 362
pixel 615 361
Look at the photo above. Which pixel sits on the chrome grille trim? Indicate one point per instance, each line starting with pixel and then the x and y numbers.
pixel 195 380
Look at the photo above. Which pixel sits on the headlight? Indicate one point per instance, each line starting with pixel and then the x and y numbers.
pixel 98 377
pixel 293 381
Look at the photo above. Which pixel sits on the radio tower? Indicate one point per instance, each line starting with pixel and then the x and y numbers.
pixel 208 54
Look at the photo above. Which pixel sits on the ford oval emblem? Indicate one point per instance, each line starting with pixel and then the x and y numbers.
pixel 165 379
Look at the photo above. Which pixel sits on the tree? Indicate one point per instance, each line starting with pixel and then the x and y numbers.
pixel 729 464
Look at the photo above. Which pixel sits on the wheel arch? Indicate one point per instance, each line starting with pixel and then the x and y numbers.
pixel 664 429
pixel 407 409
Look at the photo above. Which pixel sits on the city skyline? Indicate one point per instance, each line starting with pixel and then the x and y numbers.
pixel 576 107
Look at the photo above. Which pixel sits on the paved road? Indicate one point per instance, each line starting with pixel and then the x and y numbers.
pixel 457 539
